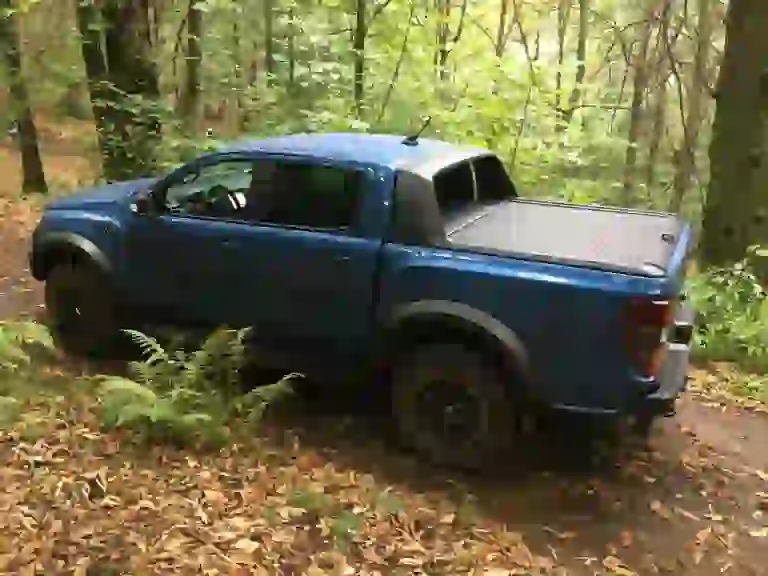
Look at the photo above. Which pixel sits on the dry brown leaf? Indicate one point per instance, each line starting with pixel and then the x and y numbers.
pixel 661 509
pixel 616 566
pixel 627 538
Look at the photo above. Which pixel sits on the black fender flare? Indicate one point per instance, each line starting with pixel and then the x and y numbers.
pixel 51 242
pixel 465 316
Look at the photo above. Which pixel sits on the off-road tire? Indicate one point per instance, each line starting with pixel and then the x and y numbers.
pixel 456 366
pixel 80 309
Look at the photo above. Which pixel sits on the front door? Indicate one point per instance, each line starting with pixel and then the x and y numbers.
pixel 179 258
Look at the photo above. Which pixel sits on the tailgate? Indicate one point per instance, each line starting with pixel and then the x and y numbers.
pixel 642 243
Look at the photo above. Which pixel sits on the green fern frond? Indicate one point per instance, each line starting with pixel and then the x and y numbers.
pixel 151 349
pixel 117 385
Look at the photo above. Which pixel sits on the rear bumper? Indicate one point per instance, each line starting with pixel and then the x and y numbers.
pixel 673 375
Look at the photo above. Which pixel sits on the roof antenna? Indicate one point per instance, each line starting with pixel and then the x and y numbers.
pixel 413 140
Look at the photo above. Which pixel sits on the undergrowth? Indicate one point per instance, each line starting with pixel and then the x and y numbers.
pixel 732 322
pixel 186 397
pixel 170 394
pixel 19 340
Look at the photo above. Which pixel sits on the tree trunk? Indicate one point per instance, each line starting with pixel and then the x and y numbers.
pixel 685 165
pixel 269 41
pixel 123 84
pixel 33 175
pixel 359 51
pixel 441 52
pixel 659 108
pixel 563 14
pixel 502 31
pixel 581 67
pixel 735 212
pixel 659 112
pixel 291 50
pixel 639 87
pixel 191 107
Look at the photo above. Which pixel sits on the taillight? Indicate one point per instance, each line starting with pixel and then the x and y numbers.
pixel 646 320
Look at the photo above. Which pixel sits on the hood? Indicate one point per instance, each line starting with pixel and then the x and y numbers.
pixel 100 195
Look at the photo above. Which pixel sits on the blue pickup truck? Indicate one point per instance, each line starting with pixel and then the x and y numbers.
pixel 409 263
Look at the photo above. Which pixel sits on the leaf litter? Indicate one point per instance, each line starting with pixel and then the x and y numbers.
pixel 77 500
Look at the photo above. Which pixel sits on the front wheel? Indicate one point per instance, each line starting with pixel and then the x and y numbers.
pixel 453 406
pixel 79 303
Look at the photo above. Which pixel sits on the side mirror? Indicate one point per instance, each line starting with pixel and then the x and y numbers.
pixel 142 204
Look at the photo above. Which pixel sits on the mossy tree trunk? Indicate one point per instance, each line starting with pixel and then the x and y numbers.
pixel 736 209
pixel 123 84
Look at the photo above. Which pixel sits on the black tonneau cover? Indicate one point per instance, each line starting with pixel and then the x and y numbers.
pixel 630 241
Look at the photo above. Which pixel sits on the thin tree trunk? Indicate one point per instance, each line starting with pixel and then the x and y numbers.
pixel 359 51
pixel 33 175
pixel 659 112
pixel 291 50
pixel 685 166
pixel 269 41
pixel 192 96
pixel 565 116
pixel 563 14
pixel 639 87
pixel 659 107
pixel 502 31
pixel 735 211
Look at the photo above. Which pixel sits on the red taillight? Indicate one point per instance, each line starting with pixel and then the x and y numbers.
pixel 646 320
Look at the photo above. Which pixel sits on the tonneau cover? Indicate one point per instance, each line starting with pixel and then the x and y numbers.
pixel 630 241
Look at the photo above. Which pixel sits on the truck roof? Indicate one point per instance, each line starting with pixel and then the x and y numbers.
pixel 388 150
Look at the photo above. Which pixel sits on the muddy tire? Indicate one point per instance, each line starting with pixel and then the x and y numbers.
pixel 453 406
pixel 80 309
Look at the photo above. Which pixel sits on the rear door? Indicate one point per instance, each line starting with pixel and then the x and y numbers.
pixel 306 270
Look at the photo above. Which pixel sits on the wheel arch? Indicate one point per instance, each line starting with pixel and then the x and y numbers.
pixel 435 320
pixel 57 247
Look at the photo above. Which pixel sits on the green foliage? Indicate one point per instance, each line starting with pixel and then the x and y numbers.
pixel 511 97
pixel 186 397
pixel 732 321
pixel 18 340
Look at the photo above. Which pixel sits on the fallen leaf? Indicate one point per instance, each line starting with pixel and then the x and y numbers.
pixel 686 514
pixel 616 566
pixel 702 535
pixel 661 510
pixel 627 538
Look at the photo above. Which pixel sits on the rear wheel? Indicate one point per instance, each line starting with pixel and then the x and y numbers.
pixel 80 307
pixel 453 406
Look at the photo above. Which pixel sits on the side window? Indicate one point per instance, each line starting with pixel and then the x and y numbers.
pixel 305 195
pixel 217 190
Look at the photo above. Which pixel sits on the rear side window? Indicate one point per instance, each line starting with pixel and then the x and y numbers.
pixel 455 188
pixel 306 195
pixel 492 180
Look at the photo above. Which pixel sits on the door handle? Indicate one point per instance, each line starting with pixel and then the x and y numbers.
pixel 342 258
pixel 229 244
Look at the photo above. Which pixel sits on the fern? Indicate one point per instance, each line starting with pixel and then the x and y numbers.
pixel 18 337
pixel 184 396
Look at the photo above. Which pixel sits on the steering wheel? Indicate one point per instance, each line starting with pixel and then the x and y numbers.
pixel 217 194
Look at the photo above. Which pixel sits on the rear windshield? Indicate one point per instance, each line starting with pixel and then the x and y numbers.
pixel 470 183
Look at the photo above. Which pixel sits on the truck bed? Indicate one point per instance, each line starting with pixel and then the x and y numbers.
pixel 615 239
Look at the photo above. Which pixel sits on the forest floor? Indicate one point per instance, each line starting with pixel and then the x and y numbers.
pixel 324 493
